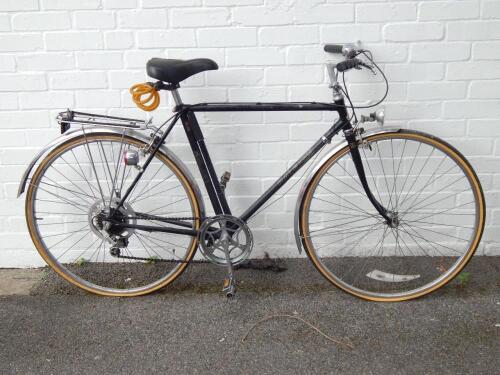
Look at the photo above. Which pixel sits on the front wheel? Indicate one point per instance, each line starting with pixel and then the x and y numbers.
pixel 84 178
pixel 431 193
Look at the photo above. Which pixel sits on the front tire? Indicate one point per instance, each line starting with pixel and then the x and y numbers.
pixel 426 184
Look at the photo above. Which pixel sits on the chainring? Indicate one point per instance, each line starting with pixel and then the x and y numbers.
pixel 240 239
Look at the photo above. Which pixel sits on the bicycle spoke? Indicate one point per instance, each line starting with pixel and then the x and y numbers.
pixel 63 233
pixel 415 204
pixel 156 194
pixel 367 233
pixel 64 200
pixel 89 154
pixel 71 182
pixel 418 207
pixel 81 170
pixel 346 184
pixel 397 173
pixel 418 175
pixel 385 178
pixel 381 242
pixel 145 185
pixel 409 172
pixel 166 205
pixel 365 254
pixel 105 165
pixel 416 234
pixel 59 186
pixel 84 251
pixel 372 175
pixel 117 166
pixel 83 247
pixel 433 231
pixel 360 218
pixel 438 224
pixel 159 245
pixel 414 197
pixel 72 246
pixel 144 246
pixel 341 225
pixel 339 233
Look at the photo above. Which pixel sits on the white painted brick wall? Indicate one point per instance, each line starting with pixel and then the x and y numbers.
pixel 441 57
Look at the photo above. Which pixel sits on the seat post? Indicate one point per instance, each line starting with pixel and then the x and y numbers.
pixel 177 97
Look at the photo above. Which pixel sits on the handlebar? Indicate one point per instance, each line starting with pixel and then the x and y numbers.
pixel 351 63
pixel 350 51
pixel 333 48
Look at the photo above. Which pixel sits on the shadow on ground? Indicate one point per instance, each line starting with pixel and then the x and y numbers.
pixel 299 276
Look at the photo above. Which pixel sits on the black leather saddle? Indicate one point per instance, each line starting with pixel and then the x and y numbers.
pixel 175 71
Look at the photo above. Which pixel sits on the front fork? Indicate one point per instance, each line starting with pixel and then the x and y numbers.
pixel 350 136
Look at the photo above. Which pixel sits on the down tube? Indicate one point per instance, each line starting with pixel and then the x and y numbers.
pixel 326 138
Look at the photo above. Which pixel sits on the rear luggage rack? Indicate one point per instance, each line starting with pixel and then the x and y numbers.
pixel 67 118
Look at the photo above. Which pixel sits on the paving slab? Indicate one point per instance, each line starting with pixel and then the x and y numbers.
pixel 18 281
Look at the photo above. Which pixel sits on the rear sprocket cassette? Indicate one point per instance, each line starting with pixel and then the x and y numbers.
pixel 240 239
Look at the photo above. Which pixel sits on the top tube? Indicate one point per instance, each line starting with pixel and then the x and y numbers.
pixel 258 106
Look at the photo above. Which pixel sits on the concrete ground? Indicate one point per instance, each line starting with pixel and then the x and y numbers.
pixel 49 327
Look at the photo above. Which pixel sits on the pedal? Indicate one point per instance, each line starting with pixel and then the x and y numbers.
pixel 226 176
pixel 229 287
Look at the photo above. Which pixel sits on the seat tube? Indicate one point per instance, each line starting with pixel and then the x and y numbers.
pixel 203 160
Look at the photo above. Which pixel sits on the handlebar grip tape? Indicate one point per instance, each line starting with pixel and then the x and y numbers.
pixel 347 64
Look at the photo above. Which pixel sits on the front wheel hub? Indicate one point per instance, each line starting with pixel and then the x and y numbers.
pixel 394 219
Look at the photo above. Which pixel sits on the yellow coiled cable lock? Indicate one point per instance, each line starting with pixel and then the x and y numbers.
pixel 145 96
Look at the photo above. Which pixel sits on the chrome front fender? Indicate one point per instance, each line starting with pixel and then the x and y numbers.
pixel 71 134
pixel 314 170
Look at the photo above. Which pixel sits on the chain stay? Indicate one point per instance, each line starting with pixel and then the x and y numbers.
pixel 165 218
pixel 158 218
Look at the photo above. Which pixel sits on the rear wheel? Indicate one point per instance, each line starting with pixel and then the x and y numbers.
pixel 434 199
pixel 67 199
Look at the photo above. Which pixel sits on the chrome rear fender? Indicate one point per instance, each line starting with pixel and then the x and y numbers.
pixel 72 134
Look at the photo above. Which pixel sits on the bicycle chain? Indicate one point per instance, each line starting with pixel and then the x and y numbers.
pixel 163 218
pixel 159 218
pixel 151 260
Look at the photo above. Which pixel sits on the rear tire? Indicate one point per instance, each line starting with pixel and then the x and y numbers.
pixel 79 178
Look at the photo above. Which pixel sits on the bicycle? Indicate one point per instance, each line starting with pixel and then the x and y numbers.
pixel 386 215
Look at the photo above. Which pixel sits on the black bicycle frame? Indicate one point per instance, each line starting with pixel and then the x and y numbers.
pixel 215 192
pixel 203 160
